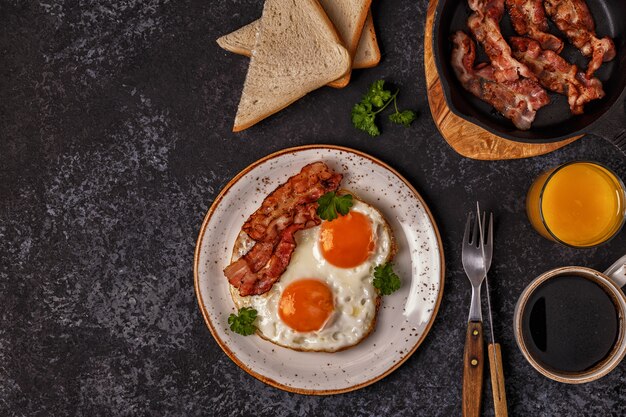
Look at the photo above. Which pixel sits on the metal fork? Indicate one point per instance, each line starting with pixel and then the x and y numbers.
pixel 493 348
pixel 473 356
pixel 472 256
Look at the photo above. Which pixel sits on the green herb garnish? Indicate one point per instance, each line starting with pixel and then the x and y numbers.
pixel 375 101
pixel 330 204
pixel 244 322
pixel 404 118
pixel 385 279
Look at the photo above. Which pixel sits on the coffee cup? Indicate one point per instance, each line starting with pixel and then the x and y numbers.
pixel 570 322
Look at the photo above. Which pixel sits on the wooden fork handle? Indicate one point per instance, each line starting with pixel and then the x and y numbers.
pixel 497 380
pixel 473 366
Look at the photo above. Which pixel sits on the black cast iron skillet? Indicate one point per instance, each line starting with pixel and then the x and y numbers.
pixel 554 122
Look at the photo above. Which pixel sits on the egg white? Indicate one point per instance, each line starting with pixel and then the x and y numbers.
pixel 355 298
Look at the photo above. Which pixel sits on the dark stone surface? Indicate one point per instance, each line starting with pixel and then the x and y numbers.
pixel 115 137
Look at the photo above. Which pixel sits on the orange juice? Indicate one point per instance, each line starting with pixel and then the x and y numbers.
pixel 579 204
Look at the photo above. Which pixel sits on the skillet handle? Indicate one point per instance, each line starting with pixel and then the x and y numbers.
pixel 612 126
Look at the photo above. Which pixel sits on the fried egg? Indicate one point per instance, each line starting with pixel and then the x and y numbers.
pixel 325 300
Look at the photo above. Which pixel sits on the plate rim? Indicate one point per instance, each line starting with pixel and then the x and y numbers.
pixel 205 314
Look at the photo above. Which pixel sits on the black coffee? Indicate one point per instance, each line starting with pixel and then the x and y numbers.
pixel 570 323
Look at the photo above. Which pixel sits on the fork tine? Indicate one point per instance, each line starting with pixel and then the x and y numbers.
pixel 466 235
pixel 476 235
pixel 481 226
pixel 484 227
pixel 490 232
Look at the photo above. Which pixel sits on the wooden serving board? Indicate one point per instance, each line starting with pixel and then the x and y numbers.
pixel 464 137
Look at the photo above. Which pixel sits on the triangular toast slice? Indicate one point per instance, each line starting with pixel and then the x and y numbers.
pixel 348 16
pixel 297 50
pixel 367 55
pixel 367 52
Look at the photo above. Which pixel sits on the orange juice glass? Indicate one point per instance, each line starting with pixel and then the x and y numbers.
pixel 579 204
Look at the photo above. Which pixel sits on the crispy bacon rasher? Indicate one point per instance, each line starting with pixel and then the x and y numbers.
pixel 556 74
pixel 573 18
pixel 485 25
pixel 289 208
pixel 516 100
pixel 529 19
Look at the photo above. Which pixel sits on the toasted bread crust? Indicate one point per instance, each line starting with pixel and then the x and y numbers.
pixel 244 126
pixel 234 49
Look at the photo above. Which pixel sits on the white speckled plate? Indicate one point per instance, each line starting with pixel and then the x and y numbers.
pixel 405 317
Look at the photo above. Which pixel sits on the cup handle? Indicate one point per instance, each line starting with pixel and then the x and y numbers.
pixel 617 272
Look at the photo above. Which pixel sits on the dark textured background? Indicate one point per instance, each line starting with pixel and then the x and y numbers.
pixel 115 137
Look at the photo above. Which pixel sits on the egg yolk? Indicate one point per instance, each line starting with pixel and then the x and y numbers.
pixel 347 241
pixel 305 305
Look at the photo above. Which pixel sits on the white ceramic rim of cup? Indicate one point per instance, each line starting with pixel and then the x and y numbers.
pixel 604 367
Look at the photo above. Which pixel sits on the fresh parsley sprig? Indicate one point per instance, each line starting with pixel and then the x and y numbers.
pixel 330 204
pixel 385 279
pixel 375 101
pixel 243 323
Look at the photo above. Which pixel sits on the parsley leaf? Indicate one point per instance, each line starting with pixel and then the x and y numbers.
pixel 376 94
pixel 330 204
pixel 363 118
pixel 375 101
pixel 244 322
pixel 385 279
pixel 403 118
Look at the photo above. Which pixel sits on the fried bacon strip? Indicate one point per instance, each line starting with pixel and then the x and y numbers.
pixel 557 74
pixel 484 24
pixel 313 181
pixel 516 100
pixel 573 18
pixel 289 208
pixel 529 19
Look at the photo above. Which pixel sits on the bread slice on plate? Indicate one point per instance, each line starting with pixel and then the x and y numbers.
pixel 297 50
pixel 367 55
